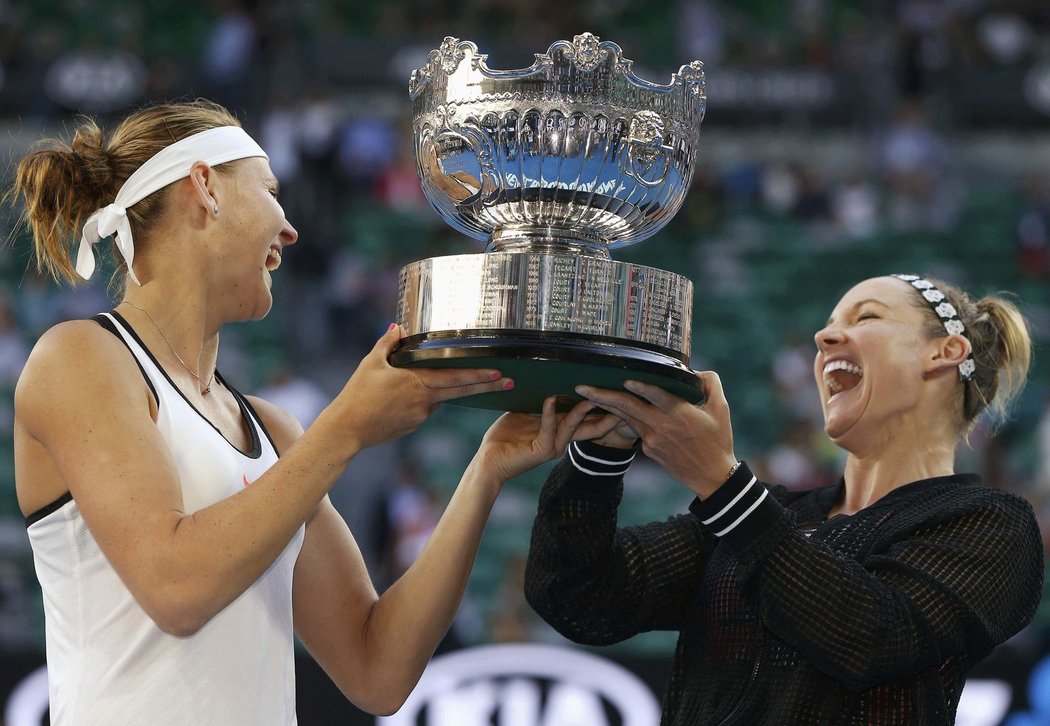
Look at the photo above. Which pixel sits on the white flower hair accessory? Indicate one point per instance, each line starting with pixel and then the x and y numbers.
pixel 948 316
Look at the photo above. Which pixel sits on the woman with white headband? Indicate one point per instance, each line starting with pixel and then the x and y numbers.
pixel 176 524
pixel 861 603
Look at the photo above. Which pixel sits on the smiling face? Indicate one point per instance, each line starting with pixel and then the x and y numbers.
pixel 258 233
pixel 872 361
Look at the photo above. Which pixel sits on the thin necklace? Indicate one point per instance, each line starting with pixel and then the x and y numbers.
pixel 207 386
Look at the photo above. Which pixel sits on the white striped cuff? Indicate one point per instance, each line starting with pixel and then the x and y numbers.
pixel 732 504
pixel 598 465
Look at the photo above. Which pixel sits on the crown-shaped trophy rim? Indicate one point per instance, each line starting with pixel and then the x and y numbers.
pixel 627 146
pixel 586 52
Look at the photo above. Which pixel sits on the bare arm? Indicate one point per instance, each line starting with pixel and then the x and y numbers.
pixel 73 402
pixel 376 647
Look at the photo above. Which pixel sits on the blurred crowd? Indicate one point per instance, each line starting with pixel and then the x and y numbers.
pixel 848 140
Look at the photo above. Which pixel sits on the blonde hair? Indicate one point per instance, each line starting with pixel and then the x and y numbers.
pixel 62 184
pixel 1001 346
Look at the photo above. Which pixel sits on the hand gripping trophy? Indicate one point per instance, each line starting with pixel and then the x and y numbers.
pixel 553 166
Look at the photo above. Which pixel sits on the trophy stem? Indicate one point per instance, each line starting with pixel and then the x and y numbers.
pixel 554 240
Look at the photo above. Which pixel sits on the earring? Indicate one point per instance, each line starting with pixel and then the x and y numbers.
pixel 215 210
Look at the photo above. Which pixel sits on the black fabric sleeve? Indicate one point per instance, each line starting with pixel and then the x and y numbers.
pixel 595 583
pixel 741 509
pixel 960 578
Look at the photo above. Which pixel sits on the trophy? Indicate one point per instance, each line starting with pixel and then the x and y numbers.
pixel 553 166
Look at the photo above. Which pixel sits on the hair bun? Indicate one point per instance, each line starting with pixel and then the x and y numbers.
pixel 92 163
pixel 63 183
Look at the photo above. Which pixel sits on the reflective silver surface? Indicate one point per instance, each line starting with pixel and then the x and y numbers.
pixel 574 152
pixel 547 292
pixel 552 166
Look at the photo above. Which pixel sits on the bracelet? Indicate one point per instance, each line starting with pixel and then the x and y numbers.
pixel 732 471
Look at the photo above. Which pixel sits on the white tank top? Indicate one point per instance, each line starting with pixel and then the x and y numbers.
pixel 108 662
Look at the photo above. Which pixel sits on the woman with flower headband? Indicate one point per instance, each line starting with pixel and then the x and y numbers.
pixel 176 524
pixel 862 603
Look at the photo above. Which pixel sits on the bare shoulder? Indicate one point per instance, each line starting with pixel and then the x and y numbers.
pixel 74 337
pixel 73 346
pixel 80 395
pixel 283 426
pixel 73 361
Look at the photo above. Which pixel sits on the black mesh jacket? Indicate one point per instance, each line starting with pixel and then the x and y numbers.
pixel 785 616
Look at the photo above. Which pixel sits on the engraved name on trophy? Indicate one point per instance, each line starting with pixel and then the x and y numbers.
pixel 553 166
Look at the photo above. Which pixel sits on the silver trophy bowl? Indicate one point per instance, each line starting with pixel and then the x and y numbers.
pixel 552 166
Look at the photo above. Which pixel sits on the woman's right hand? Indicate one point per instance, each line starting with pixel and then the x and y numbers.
pixel 622 436
pixel 693 443
pixel 381 402
pixel 517 442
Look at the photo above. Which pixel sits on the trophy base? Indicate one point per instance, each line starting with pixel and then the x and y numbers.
pixel 546 364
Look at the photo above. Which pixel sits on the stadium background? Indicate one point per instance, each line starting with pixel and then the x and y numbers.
pixel 842 140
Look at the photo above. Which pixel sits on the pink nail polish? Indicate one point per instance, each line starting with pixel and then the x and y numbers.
pixel 508 384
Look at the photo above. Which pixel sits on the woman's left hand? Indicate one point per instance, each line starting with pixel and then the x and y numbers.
pixel 517 442
pixel 693 443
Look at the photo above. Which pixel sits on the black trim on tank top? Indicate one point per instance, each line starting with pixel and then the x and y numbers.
pixel 64 499
pixel 106 323
pixel 242 403
pixel 255 451
pixel 48 509
pixel 258 419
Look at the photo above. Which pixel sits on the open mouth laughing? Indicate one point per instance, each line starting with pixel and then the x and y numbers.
pixel 273 259
pixel 840 376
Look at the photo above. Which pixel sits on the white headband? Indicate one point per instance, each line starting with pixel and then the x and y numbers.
pixel 214 146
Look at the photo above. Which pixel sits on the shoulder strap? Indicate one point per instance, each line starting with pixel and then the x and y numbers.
pixel 107 321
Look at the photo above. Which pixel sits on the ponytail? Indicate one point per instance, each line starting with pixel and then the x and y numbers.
pixel 62 184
